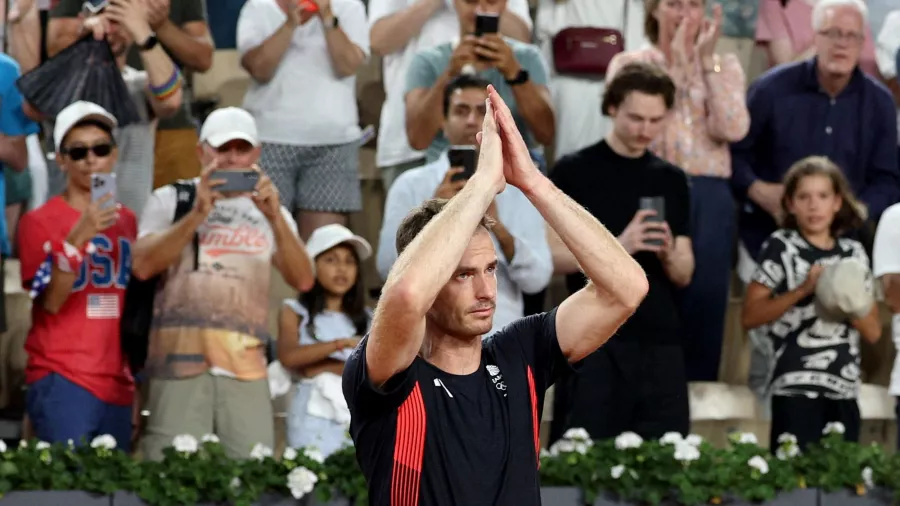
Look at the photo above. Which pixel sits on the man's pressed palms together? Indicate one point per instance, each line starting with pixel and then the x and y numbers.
pixel 518 168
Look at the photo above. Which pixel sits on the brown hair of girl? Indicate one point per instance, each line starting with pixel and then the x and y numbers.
pixel 852 214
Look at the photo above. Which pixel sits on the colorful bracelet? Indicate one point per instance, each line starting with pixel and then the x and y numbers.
pixel 169 88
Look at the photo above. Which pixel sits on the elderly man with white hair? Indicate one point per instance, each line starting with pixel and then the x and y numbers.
pixel 820 106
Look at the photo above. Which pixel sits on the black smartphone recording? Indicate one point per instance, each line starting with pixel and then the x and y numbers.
pixel 462 156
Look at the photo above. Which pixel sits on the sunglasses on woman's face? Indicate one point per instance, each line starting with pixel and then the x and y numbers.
pixel 79 153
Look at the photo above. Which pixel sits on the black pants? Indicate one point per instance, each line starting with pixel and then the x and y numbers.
pixel 625 387
pixel 806 418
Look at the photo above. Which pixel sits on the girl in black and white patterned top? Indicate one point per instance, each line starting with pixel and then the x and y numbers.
pixel 815 373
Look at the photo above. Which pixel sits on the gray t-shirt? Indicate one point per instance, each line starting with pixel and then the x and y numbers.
pixel 429 64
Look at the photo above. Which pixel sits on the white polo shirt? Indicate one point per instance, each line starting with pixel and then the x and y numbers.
pixel 393 145
pixel 305 103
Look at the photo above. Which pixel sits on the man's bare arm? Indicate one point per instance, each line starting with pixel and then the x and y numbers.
pixel 424 112
pixel 391 33
pixel 14 152
pixel 679 265
pixel 190 44
pixel 617 284
pixel 262 61
pixel 62 33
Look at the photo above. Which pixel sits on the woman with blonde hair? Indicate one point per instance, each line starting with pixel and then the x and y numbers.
pixel 710 113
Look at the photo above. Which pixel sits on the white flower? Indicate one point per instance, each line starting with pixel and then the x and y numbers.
pixel 759 464
pixel 617 471
pixel 627 440
pixel 787 451
pixel 185 443
pixel 2 446
pixel 747 438
pixel 787 437
pixel 545 453
pixel 260 451
pixel 686 452
pixel 577 434
pixel 289 454
pixel 569 446
pixel 235 483
pixel 693 440
pixel 670 438
pixel 42 445
pixel 105 441
pixel 301 481
pixel 867 477
pixel 209 438
pixel 23 444
pixel 836 427
pixel 314 455
pixel 71 444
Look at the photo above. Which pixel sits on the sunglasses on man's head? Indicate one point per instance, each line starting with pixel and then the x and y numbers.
pixel 79 153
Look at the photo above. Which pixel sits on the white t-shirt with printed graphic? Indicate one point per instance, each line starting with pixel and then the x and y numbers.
pixel 214 317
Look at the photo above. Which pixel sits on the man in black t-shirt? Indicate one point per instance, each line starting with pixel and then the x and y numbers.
pixel 637 381
pixel 438 417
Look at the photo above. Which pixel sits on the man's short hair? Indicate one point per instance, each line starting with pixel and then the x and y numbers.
pixel 419 216
pixel 647 78
pixel 462 82
pixel 819 10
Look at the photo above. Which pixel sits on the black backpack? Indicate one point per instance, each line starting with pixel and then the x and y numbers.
pixel 137 313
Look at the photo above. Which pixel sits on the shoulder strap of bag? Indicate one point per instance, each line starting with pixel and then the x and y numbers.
pixel 185 191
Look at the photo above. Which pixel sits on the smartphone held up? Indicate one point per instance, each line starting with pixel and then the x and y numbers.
pixel 464 157
pixel 101 186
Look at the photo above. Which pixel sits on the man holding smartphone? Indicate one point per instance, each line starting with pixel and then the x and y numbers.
pixel 635 382
pixel 76 260
pixel 206 362
pixel 516 70
pixel 525 264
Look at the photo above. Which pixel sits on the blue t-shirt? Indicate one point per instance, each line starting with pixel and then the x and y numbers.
pixel 13 123
pixel 429 64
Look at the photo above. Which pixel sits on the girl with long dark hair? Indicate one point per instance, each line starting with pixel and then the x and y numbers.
pixel 317 333
pixel 814 372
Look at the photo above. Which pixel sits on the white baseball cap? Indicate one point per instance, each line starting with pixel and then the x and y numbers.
pixel 77 112
pixel 228 124
pixel 326 237
pixel 845 290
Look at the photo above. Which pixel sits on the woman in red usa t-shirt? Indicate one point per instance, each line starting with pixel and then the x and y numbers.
pixel 75 253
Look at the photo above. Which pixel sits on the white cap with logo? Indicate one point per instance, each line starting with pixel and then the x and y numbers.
pixel 77 112
pixel 228 124
pixel 326 237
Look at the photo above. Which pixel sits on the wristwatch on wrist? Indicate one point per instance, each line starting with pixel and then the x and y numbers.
pixel 331 23
pixel 521 78
pixel 149 43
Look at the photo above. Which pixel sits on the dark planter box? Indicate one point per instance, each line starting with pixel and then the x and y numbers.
pixel 55 498
pixel 561 496
pixel 876 497
pixel 130 499
pixel 799 497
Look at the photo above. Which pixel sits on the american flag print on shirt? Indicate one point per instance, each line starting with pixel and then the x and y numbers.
pixel 103 306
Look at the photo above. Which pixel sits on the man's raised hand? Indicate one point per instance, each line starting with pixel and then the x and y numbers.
pixel 490 158
pixel 518 167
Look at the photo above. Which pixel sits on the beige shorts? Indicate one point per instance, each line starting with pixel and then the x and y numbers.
pixel 238 412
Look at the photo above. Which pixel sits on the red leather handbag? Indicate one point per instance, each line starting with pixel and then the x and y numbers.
pixel 584 50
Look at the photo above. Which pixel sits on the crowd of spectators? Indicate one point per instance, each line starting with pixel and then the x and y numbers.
pixel 791 180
